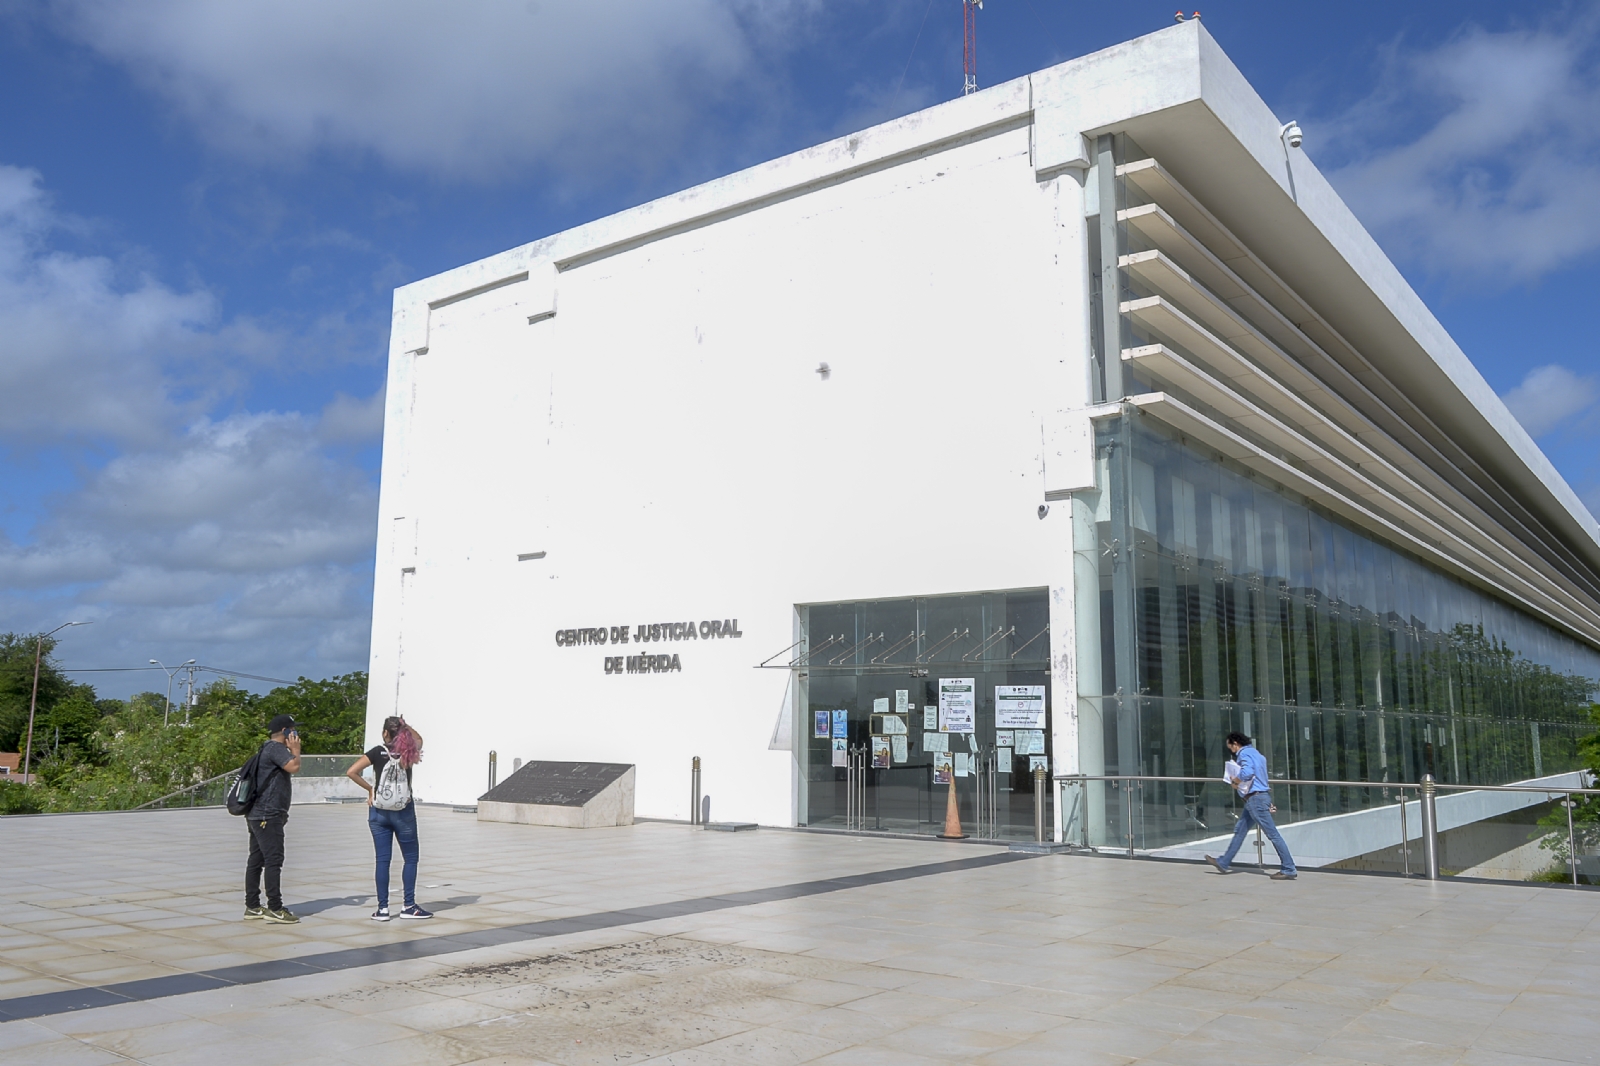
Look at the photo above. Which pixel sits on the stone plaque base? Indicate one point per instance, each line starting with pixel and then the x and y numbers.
pixel 573 795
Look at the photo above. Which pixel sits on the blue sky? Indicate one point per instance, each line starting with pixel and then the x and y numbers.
pixel 204 209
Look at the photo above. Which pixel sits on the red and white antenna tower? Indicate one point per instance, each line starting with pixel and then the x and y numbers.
pixel 969 45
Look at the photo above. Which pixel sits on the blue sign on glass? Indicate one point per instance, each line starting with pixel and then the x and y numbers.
pixel 820 726
pixel 841 723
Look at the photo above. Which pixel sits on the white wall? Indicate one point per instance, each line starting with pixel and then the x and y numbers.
pixel 666 440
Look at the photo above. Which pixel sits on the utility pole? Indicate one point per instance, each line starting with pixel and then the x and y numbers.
pixel 969 45
pixel 33 701
pixel 189 706
pixel 168 710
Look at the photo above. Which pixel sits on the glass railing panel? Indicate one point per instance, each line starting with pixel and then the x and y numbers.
pixel 325 765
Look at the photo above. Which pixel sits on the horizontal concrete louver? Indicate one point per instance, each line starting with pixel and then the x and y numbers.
pixel 1220 346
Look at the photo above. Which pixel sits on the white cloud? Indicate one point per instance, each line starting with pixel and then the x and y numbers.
pixel 240 541
pixel 1550 396
pixel 89 354
pixel 244 540
pixel 451 89
pixel 346 419
pixel 1503 183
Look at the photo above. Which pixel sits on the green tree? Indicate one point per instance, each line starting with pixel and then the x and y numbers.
pixel 332 713
pixel 71 724
pixel 1585 812
pixel 145 760
pixel 93 754
pixel 16 686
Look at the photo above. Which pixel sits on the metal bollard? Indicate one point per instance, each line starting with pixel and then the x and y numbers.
pixel 1572 839
pixel 850 789
pixel 1129 785
pixel 1405 835
pixel 1038 805
pixel 493 767
pixel 1430 829
pixel 694 793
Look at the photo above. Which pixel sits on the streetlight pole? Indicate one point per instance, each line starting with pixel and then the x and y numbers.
pixel 33 701
pixel 170 674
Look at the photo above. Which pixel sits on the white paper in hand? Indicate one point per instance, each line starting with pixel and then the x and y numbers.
pixel 1230 773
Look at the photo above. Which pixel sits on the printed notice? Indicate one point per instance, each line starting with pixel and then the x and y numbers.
pixel 880 705
pixel 898 744
pixel 820 726
pixel 957 707
pixel 841 724
pixel 1019 706
pixel 902 700
pixel 972 742
pixel 935 742
pixel 880 753
pixel 1038 762
pixel 1030 741
pixel 963 764
pixel 893 725
pixel 841 753
pixel 1004 739
pixel 1002 760
pixel 930 717
pixel 942 772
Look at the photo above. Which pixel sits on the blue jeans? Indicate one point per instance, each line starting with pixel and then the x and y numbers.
pixel 1257 811
pixel 387 827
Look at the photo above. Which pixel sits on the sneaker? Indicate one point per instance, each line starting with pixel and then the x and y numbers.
pixel 1281 876
pixel 254 912
pixel 415 911
pixel 281 916
pixel 381 914
pixel 1221 869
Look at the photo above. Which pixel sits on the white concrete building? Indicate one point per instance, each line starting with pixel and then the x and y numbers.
pixel 849 414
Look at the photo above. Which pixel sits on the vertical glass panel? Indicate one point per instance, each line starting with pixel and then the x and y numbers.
pixel 866 660
pixel 1346 658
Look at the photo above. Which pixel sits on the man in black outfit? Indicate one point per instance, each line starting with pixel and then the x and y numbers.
pixel 280 757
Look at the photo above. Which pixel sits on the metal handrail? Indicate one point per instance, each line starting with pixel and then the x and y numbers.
pixel 197 786
pixel 1426 789
pixel 1549 789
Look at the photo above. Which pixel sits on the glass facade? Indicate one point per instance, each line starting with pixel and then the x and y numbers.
pixel 870 663
pixel 1226 602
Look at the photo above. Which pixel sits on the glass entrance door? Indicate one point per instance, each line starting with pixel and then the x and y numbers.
pixel 921 693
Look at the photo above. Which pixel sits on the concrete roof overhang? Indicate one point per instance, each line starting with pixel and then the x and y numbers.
pixel 1184 102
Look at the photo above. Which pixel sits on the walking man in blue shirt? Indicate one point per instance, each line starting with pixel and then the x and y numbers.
pixel 1253 785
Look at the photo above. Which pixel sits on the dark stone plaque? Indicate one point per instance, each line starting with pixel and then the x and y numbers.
pixel 556 784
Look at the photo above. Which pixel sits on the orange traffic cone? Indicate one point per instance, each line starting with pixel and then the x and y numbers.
pixel 952 815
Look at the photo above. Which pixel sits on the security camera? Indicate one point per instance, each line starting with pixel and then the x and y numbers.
pixel 1291 134
pixel 1044 509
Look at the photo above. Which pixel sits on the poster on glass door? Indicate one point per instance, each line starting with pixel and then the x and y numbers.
pixel 957 708
pixel 1019 706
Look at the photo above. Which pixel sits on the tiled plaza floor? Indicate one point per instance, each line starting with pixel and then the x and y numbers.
pixel 1055 959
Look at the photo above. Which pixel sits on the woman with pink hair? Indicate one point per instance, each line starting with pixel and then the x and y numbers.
pixel 391 811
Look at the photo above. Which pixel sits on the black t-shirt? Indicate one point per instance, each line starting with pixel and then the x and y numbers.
pixel 377 757
pixel 276 787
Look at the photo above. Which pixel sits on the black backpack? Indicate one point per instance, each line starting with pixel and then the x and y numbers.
pixel 242 793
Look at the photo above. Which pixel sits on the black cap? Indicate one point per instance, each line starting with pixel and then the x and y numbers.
pixel 282 722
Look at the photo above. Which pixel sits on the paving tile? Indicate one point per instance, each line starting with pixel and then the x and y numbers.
pixel 1059 960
